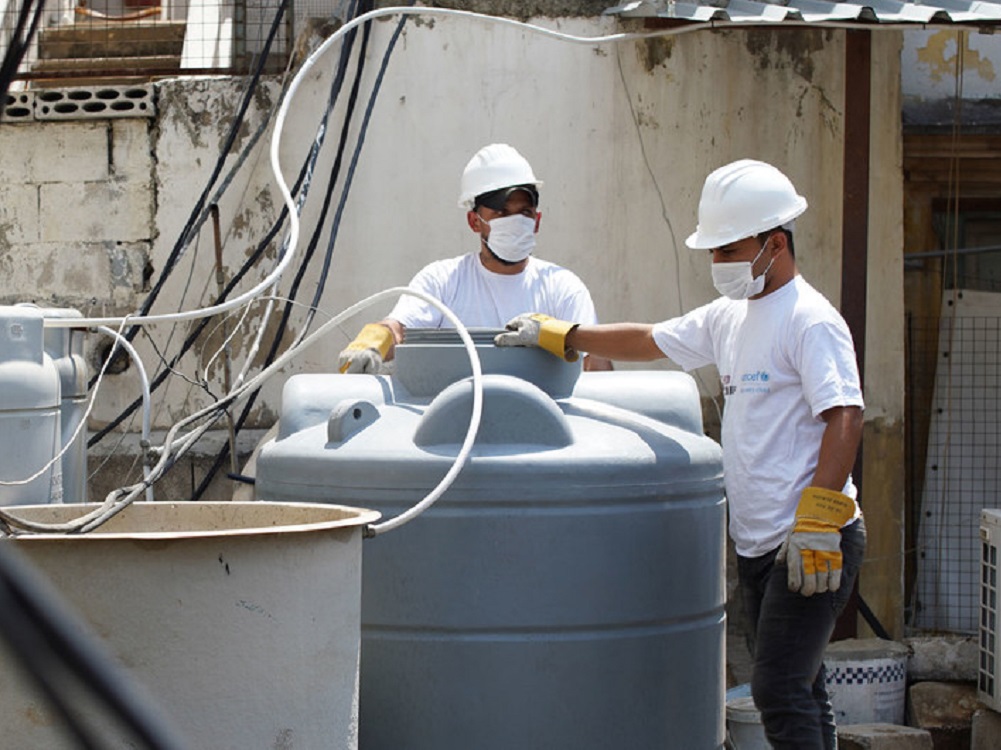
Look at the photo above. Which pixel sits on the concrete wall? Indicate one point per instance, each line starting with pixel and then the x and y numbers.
pixel 623 135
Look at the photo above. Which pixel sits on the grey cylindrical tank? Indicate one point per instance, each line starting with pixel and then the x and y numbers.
pixel 566 592
pixel 29 411
pixel 66 348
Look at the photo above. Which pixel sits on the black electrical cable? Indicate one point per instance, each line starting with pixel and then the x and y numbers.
pixel 302 180
pixel 197 217
pixel 314 239
pixel 301 187
pixel 20 39
pixel 43 635
pixel 376 87
pixel 185 237
pixel 189 341
pixel 870 617
pixel 223 454
pixel 57 651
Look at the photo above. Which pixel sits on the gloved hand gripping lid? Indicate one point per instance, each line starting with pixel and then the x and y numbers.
pixel 543 331
pixel 368 351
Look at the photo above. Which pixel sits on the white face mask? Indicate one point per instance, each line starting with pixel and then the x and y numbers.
pixel 736 280
pixel 512 238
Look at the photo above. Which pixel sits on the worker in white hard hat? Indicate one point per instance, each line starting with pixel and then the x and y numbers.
pixel 792 423
pixel 486 287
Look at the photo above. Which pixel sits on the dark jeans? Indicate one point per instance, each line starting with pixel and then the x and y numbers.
pixel 788 633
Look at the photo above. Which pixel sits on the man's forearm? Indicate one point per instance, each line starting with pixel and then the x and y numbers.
pixel 838 447
pixel 620 341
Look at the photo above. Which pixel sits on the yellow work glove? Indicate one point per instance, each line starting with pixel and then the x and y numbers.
pixel 367 352
pixel 543 331
pixel 812 550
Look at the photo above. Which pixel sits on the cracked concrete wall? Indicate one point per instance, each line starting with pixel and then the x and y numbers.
pixel 76 212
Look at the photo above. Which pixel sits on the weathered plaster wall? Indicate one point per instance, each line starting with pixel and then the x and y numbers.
pixel 76 212
pixel 622 134
pixel 937 62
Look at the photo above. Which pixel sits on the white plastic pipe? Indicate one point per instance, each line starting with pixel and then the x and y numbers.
pixel 144 384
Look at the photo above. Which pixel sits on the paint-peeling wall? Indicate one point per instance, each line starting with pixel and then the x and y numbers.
pixel 944 63
pixel 622 135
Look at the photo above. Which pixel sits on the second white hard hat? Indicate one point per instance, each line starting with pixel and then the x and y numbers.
pixel 494 167
pixel 743 199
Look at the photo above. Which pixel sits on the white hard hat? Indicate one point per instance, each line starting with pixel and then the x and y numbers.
pixel 494 167
pixel 742 200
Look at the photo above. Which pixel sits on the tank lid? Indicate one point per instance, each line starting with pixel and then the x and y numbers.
pixel 449 336
pixel 430 359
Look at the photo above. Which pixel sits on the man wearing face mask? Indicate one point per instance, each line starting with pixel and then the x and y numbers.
pixel 501 278
pixel 792 423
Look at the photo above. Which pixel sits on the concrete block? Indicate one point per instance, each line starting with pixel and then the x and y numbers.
pixel 18 216
pixel 96 102
pixel 946 710
pixel 65 274
pixel 44 152
pixel 19 107
pixel 131 150
pixel 986 731
pixel 883 737
pixel 96 211
pixel 944 657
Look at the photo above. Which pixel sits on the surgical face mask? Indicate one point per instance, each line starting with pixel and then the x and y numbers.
pixel 512 238
pixel 736 280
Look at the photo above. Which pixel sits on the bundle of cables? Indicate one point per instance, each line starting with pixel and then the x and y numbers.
pixel 29 15
pixel 69 666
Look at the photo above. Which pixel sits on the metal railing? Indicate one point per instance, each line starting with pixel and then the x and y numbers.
pixel 125 41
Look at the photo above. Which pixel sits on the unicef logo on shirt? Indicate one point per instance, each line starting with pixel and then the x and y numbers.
pixel 755 382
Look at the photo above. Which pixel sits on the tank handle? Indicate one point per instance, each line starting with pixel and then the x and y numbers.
pixel 515 412
pixel 349 417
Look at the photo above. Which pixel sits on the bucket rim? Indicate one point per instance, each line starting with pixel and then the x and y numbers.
pixel 352 517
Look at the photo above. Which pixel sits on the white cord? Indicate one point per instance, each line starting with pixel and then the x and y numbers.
pixel 293 233
pixel 174 446
pixel 144 444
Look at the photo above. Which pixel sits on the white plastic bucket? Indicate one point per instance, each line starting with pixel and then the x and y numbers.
pixel 743 721
pixel 867 680
pixel 242 620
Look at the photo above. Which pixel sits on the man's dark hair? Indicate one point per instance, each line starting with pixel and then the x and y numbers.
pixel 763 237
pixel 496 199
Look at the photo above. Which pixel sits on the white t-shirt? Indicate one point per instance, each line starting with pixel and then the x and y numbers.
pixel 782 360
pixel 483 299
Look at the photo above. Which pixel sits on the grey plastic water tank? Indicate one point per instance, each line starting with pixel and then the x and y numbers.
pixel 566 592
pixel 29 411
pixel 66 348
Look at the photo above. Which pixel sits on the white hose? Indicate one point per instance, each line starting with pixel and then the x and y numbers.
pixel 293 233
pixel 119 499
pixel 144 443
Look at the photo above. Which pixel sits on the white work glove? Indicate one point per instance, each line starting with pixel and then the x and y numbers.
pixel 812 550
pixel 368 351
pixel 543 331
